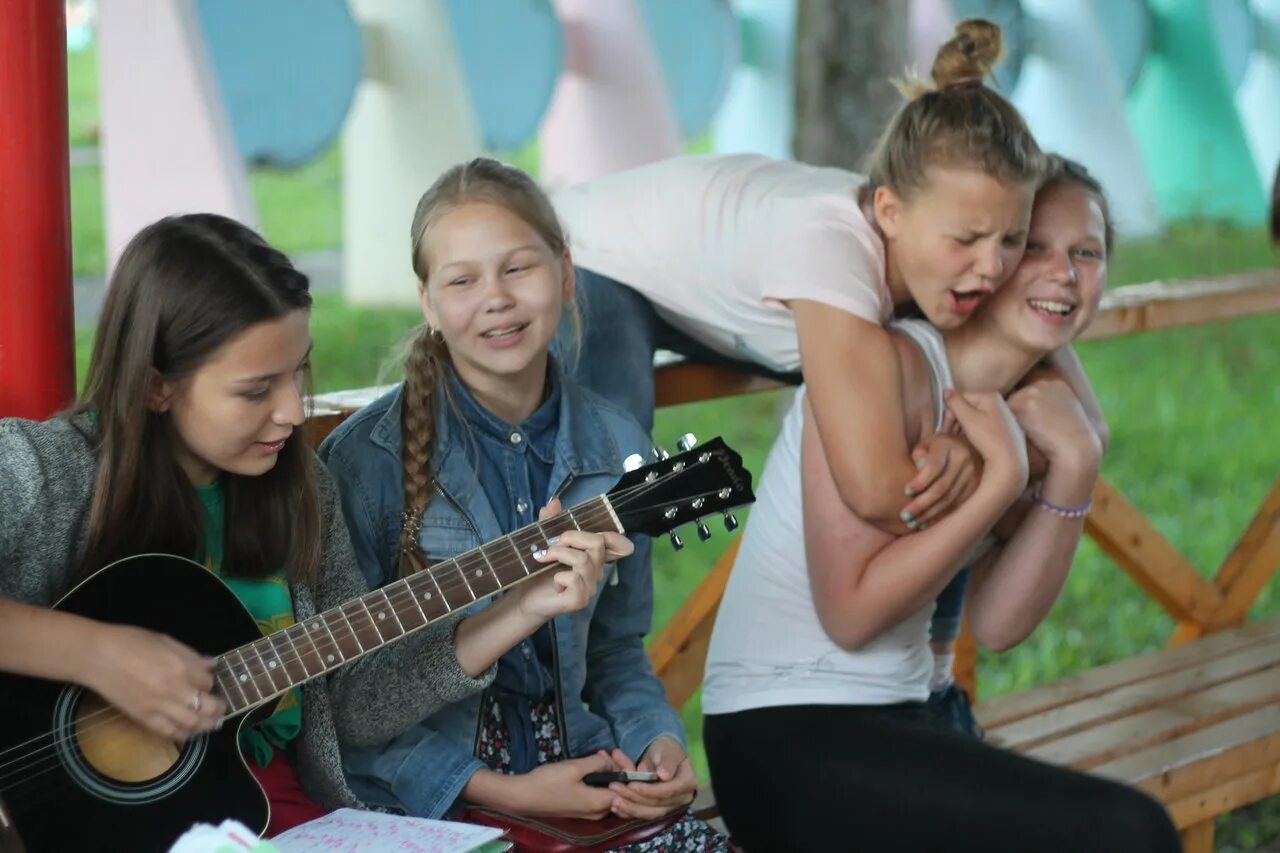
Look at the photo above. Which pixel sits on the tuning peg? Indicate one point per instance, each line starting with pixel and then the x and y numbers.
pixel 660 453
pixel 686 442
pixel 676 541
pixel 730 523
pixel 704 532
pixel 632 462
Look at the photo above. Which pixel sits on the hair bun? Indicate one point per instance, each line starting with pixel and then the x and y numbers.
pixel 969 56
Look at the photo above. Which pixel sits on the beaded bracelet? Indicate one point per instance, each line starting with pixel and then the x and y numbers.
pixel 1066 511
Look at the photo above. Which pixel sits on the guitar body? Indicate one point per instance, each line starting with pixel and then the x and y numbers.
pixel 77 775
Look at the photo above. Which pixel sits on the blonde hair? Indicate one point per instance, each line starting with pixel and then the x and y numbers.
pixel 955 120
pixel 480 180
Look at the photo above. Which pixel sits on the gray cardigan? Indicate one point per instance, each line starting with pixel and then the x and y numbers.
pixel 47 475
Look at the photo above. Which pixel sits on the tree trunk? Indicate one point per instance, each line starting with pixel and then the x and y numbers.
pixel 846 52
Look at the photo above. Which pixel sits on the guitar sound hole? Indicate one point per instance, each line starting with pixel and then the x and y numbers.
pixel 118 748
pixel 113 758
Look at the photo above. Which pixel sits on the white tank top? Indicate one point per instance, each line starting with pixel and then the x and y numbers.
pixel 768 647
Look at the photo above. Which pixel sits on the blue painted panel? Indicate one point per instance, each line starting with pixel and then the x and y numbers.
pixel 1233 25
pixel 697 42
pixel 1126 25
pixel 1014 31
pixel 288 72
pixel 511 52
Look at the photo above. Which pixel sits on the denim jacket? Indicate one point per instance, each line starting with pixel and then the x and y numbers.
pixel 599 655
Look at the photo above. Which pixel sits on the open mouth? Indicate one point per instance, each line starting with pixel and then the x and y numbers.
pixel 1052 310
pixel 966 301
pixel 505 332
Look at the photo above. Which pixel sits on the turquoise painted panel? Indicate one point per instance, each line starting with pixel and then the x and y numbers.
pixel 288 72
pixel 697 43
pixel 1184 114
pixel 511 52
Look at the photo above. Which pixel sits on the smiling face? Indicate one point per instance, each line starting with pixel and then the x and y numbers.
pixel 954 241
pixel 1054 293
pixel 495 291
pixel 235 412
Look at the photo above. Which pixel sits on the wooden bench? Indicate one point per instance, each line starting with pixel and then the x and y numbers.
pixel 1197 725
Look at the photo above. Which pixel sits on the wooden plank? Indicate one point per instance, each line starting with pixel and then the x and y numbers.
pixel 1146 556
pixel 692 382
pixel 678 651
pixel 1226 797
pixel 1015 706
pixel 1135 733
pixel 1252 563
pixel 1131 698
pixel 1180 768
pixel 701 605
pixel 1186 632
pixel 1198 838
pixel 1169 304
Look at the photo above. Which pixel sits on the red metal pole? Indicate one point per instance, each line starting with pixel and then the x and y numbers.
pixel 37 349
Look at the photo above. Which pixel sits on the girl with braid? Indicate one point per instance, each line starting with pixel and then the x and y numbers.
pixel 485 429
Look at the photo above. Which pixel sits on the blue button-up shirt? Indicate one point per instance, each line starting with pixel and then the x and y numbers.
pixel 610 695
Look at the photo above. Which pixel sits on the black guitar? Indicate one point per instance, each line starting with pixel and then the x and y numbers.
pixel 79 775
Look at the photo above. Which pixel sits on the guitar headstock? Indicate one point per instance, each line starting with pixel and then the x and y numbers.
pixel 659 497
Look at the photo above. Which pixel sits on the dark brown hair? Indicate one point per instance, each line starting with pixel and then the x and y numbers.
pixel 184 287
pixel 1063 170
pixel 480 180
pixel 956 120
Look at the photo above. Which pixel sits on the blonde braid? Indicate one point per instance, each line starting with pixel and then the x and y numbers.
pixel 418 424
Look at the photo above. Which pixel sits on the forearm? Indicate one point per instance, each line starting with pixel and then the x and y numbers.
pixel 45 643
pixel 913 570
pixel 1013 593
pixel 1065 364
pixel 496 790
pixel 484 637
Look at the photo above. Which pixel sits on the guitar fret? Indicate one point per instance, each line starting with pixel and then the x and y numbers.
pixel 222 688
pixel 520 559
pixel 267 670
pixel 399 622
pixel 572 518
pixel 497 581
pixel 244 678
pixel 387 631
pixel 484 576
pixel 351 635
pixel 330 660
pixel 462 574
pixel 440 592
pixel 295 666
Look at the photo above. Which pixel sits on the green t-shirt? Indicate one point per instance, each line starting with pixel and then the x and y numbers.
pixel 268 600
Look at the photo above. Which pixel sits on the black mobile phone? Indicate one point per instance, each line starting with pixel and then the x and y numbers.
pixel 605 777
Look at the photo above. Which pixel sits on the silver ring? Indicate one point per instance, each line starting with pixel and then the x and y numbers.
pixel 196 700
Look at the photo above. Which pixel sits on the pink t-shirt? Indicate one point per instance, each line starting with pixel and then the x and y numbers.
pixel 719 243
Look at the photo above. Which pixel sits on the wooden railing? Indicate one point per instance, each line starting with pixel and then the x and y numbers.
pixel 1199 606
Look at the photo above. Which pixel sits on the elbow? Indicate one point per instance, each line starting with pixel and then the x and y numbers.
pixel 879 505
pixel 996 635
pixel 850 632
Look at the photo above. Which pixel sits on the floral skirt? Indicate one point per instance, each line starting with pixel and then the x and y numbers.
pixel 687 835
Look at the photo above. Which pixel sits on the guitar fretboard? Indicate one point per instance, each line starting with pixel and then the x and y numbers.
pixel 260 671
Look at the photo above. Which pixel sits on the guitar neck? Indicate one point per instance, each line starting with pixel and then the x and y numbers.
pixel 259 672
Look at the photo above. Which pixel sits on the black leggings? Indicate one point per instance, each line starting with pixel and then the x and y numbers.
pixel 833 777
